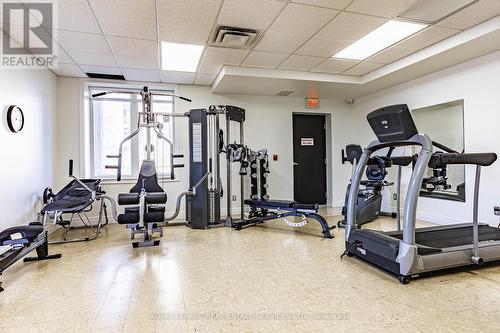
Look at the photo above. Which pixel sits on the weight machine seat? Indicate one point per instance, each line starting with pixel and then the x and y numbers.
pixel 147 180
pixel 147 177
pixel 27 232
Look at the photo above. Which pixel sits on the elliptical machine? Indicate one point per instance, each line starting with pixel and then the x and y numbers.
pixel 369 199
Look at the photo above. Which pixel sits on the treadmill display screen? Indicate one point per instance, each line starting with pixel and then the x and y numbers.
pixel 392 123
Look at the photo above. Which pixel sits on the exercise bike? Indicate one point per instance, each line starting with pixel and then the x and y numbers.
pixel 369 199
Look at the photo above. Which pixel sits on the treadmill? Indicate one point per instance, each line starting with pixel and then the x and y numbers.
pixel 410 252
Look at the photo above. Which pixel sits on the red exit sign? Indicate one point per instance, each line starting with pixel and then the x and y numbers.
pixel 312 103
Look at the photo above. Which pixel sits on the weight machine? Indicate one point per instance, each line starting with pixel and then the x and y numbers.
pixel 262 208
pixel 147 119
pixel 206 141
pixel 146 201
pixel 206 138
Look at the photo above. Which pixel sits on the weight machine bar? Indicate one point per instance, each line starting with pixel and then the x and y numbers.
pixel 242 184
pixel 131 92
pixel 218 184
pixel 148 143
pixel 171 145
pixel 228 174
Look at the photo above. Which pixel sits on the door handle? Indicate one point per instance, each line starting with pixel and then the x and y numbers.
pixel 295 164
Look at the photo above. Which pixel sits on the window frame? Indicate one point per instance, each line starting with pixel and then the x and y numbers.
pixel 134 102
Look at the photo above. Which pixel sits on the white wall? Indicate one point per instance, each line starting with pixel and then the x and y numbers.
pixel 27 157
pixel 476 82
pixel 268 125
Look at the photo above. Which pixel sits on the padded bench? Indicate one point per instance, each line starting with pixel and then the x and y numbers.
pixel 281 204
pixel 282 209
pixel 29 233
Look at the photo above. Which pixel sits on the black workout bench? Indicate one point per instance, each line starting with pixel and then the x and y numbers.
pixel 22 240
pixel 265 210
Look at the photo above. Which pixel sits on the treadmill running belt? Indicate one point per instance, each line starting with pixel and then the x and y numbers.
pixel 453 236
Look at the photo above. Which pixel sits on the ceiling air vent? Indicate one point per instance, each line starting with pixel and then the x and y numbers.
pixel 236 38
pixel 105 76
pixel 285 93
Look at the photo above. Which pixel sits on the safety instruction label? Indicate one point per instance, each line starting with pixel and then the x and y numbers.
pixel 307 141
pixel 197 143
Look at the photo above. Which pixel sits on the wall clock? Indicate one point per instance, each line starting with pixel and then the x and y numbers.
pixel 15 118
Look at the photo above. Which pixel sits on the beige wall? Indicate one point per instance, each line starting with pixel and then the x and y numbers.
pixel 27 158
pixel 268 125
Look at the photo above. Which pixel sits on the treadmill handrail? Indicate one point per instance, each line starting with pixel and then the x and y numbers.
pixel 414 186
pixel 482 159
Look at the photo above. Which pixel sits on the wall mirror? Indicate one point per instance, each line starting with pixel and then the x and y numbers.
pixel 444 123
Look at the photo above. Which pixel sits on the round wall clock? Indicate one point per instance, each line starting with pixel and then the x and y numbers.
pixel 15 118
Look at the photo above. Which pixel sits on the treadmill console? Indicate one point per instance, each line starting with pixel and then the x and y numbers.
pixel 392 123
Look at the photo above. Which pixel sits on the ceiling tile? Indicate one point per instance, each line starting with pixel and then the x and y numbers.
pixel 264 59
pixel 150 63
pixel 133 47
pixel 334 4
pixel 472 15
pixel 334 66
pixel 322 47
pixel 383 8
pixel 76 15
pixel 190 22
pixel 135 19
pixel 132 74
pixel 298 19
pixel 101 69
pixel 215 58
pixel 427 37
pixel 280 42
pixel 301 62
pixel 135 53
pixel 363 68
pixel 63 58
pixel 391 54
pixel 177 77
pixel 184 33
pixel 87 49
pixel 204 79
pixel 249 14
pixel 69 70
pixel 350 27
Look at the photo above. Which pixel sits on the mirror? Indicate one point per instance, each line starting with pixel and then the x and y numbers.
pixel 444 123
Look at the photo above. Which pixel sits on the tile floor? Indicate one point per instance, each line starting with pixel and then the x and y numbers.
pixel 270 278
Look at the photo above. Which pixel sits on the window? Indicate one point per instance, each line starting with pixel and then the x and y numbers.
pixel 115 116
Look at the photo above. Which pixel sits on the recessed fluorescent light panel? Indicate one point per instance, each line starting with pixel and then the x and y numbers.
pixel 431 11
pixel 384 36
pixel 180 57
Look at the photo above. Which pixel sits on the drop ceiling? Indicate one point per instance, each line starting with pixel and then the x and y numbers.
pixel 296 41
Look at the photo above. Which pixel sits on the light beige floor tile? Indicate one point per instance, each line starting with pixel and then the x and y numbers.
pixel 198 281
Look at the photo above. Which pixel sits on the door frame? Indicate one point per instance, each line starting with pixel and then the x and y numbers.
pixel 328 148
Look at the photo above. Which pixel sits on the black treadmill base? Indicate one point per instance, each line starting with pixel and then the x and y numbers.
pixel 374 259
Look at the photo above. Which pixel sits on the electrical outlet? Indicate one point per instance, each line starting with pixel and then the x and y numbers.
pixel 234 198
pixel 496 210
pixel 394 196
